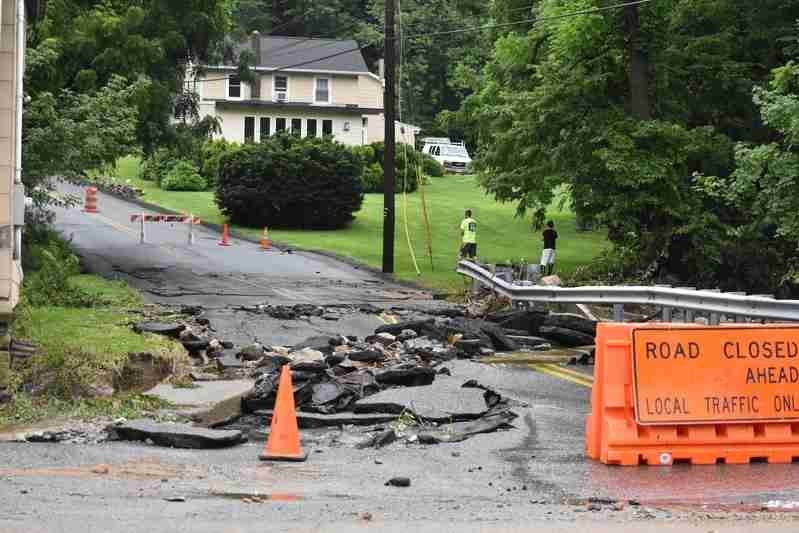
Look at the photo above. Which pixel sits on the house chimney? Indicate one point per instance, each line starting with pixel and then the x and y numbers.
pixel 255 43
pixel 381 68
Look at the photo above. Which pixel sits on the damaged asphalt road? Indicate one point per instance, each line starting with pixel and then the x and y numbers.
pixel 527 472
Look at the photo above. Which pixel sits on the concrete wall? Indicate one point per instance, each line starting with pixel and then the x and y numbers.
pixel 10 267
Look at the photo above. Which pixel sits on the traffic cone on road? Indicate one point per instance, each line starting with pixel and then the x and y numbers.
pixel 284 437
pixel 265 239
pixel 225 237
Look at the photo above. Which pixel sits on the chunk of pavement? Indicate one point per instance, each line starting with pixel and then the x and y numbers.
pixel 366 356
pixel 176 435
pixel 443 401
pixel 460 431
pixel 379 440
pixel 565 337
pixel 195 346
pixel 406 334
pixel 468 347
pixel 308 360
pixel 253 352
pixel 528 340
pixel 419 326
pixel 383 338
pixel 417 376
pixel 171 329
pixel 571 321
pixel 498 338
pixel 398 482
pixel 319 343
pixel 187 334
pixel 307 420
pixel 527 321
pixel 228 361
pixel 209 402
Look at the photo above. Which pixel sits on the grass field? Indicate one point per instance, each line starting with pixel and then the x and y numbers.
pixel 501 236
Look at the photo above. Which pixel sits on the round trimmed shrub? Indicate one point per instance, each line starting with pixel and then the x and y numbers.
pixel 183 176
pixel 288 182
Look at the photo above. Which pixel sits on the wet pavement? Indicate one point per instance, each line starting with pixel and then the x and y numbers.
pixel 533 476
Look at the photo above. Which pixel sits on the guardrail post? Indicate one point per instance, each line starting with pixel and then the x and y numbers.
pixel 689 315
pixel 141 230
pixel 666 312
pixel 618 312
pixel 715 318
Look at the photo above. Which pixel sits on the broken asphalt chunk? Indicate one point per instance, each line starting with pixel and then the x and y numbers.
pixel 176 435
pixel 398 482
pixel 171 329
pixel 417 376
pixel 460 431
pixel 571 321
pixel 566 337
pixel 320 343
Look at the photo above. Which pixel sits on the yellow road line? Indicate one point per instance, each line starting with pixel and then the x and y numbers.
pixel 559 372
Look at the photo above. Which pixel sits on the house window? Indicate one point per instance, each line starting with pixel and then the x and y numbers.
pixel 249 129
pixel 281 88
pixel 310 127
pixel 280 125
pixel 264 128
pixel 296 127
pixel 327 127
pixel 322 93
pixel 234 87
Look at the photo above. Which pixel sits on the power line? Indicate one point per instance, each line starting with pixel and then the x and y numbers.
pixel 532 20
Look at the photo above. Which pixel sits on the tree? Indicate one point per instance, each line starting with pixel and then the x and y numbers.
pixel 623 107
pixel 81 46
pixel 70 133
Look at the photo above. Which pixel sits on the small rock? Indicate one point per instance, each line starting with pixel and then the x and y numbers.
pixel 378 462
pixel 398 482
pixel 227 345
pixel 215 346
pixel 386 339
pixel 444 371
pixel 178 499
pixel 188 335
pixel 203 321
pixel 456 454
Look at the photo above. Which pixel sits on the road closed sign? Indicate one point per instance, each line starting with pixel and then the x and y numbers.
pixel 715 375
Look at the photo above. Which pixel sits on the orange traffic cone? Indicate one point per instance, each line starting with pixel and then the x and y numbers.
pixel 284 437
pixel 225 241
pixel 265 240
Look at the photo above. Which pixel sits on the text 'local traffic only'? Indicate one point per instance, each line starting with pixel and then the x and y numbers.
pixel 708 375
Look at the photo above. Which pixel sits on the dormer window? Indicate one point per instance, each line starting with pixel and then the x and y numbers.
pixel 281 89
pixel 234 87
pixel 322 92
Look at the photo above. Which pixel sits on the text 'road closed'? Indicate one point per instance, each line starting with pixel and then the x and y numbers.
pixel 706 375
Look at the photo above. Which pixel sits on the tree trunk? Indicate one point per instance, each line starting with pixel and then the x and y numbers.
pixel 639 66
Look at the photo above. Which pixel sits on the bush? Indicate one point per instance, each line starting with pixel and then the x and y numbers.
pixel 290 182
pixel 183 177
pixel 372 178
pixel 373 155
pixel 49 263
pixel 157 166
pixel 210 155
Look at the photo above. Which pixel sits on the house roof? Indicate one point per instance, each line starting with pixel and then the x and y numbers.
pixel 331 55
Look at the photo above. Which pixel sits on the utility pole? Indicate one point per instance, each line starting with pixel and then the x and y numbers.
pixel 389 101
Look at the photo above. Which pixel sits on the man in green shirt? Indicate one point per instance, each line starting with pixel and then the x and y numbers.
pixel 469 236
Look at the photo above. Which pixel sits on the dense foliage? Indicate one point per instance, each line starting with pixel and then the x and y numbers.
pixel 288 182
pixel 211 153
pixel 629 108
pixel 409 165
pixel 183 176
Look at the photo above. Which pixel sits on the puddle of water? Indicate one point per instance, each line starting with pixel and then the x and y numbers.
pixel 258 498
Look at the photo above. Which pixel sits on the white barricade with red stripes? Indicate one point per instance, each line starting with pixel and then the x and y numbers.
pixel 142 218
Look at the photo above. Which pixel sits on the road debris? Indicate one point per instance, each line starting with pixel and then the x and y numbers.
pixel 398 482
pixel 175 435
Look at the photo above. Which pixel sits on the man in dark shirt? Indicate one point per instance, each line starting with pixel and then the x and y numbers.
pixel 548 255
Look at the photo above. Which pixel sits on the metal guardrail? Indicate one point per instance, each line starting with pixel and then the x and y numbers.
pixel 689 301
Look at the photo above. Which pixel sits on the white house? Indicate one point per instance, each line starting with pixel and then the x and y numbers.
pixel 312 87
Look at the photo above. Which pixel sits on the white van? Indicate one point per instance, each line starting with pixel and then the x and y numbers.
pixel 453 156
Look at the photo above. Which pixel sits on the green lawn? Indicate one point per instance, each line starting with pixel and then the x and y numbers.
pixel 501 236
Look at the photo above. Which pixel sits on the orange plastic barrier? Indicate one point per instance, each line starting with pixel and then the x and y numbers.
pixel 265 239
pixel 90 203
pixel 666 393
pixel 225 237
